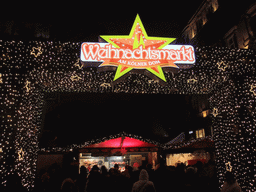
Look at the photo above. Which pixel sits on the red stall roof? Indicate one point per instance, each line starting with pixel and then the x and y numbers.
pixel 117 143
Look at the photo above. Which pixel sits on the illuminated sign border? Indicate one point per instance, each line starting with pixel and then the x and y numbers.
pixel 137 51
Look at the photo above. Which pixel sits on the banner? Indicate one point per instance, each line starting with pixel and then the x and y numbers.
pixel 137 51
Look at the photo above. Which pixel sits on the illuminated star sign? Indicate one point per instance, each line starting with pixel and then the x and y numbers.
pixel 27 86
pixel 36 51
pixel 137 51
pixel 215 112
pixel 1 80
pixel 253 89
pixel 228 166
pixel 77 64
pixel 222 65
pixel 21 154
pixel 191 80
pixel 75 78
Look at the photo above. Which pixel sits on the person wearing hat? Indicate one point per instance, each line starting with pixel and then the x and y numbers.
pixel 143 184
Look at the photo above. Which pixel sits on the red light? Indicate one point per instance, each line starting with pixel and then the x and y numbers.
pixel 130 142
pixel 116 143
pixel 112 143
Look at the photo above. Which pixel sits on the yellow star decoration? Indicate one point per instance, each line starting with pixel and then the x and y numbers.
pixel 228 166
pixel 77 64
pixel 152 81
pixel 105 85
pixel 1 79
pixel 21 154
pixel 222 66
pixel 33 52
pixel 215 112
pixel 75 78
pixel 253 89
pixel 27 85
pixel 191 80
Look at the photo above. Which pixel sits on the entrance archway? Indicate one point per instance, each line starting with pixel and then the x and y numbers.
pixel 30 69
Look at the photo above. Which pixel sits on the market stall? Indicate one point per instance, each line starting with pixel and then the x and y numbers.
pixel 123 150
pixel 189 152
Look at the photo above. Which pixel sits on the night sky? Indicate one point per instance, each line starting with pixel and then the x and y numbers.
pixel 85 116
pixel 86 20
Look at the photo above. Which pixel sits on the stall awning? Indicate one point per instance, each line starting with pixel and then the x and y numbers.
pixel 121 142
pixel 201 143
pixel 180 138
pixel 119 146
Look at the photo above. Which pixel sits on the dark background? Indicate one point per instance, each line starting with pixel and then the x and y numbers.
pixel 77 118
pixel 86 20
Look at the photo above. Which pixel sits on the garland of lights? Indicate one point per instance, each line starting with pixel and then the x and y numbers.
pixel 98 140
pixel 28 70
pixel 185 143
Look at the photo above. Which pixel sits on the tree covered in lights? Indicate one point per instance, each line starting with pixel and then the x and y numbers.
pixel 31 69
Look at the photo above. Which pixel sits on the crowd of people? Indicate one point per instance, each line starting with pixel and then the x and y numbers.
pixel 200 177
pixel 164 178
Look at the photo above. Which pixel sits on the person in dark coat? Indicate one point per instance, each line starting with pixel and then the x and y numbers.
pixel 93 183
pixel 230 184
pixel 150 171
pixel 68 185
pixel 163 177
pixel 82 179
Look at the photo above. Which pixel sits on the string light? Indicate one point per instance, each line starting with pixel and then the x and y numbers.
pixel 189 143
pixel 31 69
